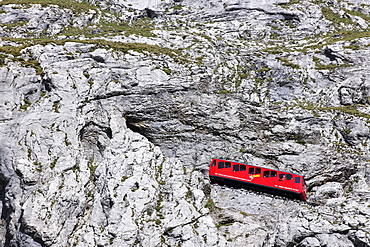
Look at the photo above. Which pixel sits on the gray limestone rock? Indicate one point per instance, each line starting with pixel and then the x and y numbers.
pixel 110 112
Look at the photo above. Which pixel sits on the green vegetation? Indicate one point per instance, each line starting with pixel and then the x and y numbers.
pixel 347 131
pixel 342 28
pixel 351 110
pixel 178 7
pixel 124 47
pixel 15 52
pixel 91 83
pixel 141 27
pixel 335 18
pixel 302 142
pixel 352 47
pixel 263 70
pixel 288 63
pixel 290 3
pixel 189 194
pixel 243 213
pixel 210 205
pixel 27 103
pixel 110 24
pixel 54 162
pixel 209 39
pixel 76 6
pixel 224 224
pixel 225 91
pixel 124 178
pixel 92 168
pixel 2 59
pixel 167 71
pixel 31 63
pixel 56 106
pixel 273 50
pixel 39 165
pixel 66 140
pixel 158 222
pixel 320 66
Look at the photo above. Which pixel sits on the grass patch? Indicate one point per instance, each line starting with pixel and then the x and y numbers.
pixel 56 106
pixel 335 18
pixel 225 91
pixel 167 71
pixel 177 7
pixel 66 141
pixel 284 5
pixel 108 23
pixel 224 224
pixel 352 47
pixel 351 110
pixel 342 26
pixel 92 168
pixel 210 205
pixel 243 213
pixel 12 50
pixel 288 63
pixel 320 66
pixel 141 27
pixel 27 103
pixel 54 162
pixel 76 6
pixel 99 43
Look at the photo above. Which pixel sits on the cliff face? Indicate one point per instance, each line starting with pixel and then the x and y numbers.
pixel 110 112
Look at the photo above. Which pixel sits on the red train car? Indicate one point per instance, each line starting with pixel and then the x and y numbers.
pixel 258 178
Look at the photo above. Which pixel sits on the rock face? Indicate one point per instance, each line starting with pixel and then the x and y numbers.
pixel 110 112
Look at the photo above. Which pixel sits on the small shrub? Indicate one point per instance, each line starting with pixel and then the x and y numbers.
pixel 210 205
pixel 27 103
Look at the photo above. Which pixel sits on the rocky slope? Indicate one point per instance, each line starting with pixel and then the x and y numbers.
pixel 110 112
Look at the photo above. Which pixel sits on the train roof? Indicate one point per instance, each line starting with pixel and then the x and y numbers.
pixel 257 166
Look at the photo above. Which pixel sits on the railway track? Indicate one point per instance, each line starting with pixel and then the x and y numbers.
pixel 264 192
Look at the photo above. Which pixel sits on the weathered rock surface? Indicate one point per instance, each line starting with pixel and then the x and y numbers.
pixel 111 112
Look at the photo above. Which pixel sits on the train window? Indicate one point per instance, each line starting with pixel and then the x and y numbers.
pixel 213 163
pixel 236 168
pixel 289 176
pixel 221 165
pixel 297 180
pixel 273 173
pixel 251 170
pixel 281 176
pixel 266 174
pixel 227 164
pixel 243 167
pixel 258 170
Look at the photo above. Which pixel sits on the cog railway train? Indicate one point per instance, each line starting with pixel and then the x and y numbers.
pixel 258 178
